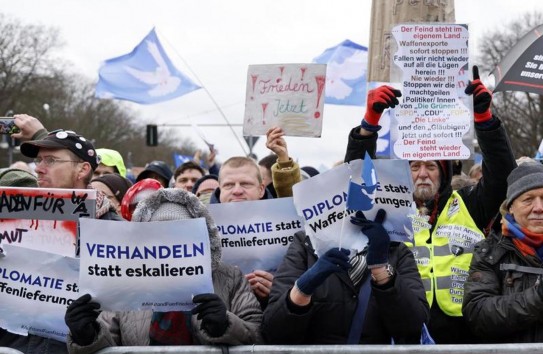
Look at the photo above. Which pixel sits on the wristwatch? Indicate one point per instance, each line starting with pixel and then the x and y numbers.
pixel 387 273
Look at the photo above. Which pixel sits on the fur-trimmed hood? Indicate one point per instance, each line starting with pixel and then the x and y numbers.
pixel 146 208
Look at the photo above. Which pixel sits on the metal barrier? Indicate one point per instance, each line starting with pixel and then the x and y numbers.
pixel 532 348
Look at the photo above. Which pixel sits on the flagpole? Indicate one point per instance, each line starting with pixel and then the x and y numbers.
pixel 209 94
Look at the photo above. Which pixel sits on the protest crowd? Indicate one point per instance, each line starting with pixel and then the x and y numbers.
pixel 469 274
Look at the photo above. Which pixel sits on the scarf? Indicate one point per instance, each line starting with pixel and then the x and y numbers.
pixel 527 242
pixel 358 267
pixel 170 328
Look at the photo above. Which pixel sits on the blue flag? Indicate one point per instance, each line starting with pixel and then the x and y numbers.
pixel 146 75
pixel 360 197
pixel 345 73
pixel 179 159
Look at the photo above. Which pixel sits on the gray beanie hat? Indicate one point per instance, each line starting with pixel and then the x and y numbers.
pixel 525 177
pixel 178 204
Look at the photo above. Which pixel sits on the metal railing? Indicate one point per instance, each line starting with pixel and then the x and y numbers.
pixel 531 348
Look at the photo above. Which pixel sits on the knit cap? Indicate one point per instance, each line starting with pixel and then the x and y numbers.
pixel 14 177
pixel 522 179
pixel 116 183
pixel 205 182
pixel 177 204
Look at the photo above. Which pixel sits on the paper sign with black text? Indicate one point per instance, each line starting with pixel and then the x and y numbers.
pixel 256 234
pixel 145 265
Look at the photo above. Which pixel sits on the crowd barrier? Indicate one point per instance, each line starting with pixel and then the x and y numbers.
pixel 531 348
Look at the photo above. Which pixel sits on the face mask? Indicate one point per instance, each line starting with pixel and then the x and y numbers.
pixel 205 197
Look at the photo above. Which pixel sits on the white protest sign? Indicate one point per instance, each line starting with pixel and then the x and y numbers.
pixel 290 96
pixel 145 265
pixel 44 219
pixel 433 122
pixel 256 234
pixel 34 282
pixel 321 201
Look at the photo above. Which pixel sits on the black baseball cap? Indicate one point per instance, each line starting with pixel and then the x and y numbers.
pixel 63 139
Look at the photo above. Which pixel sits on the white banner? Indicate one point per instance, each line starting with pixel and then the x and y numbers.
pixel 433 122
pixel 321 201
pixel 145 265
pixel 35 291
pixel 256 234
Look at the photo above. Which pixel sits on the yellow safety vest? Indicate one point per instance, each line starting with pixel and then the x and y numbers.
pixel 444 263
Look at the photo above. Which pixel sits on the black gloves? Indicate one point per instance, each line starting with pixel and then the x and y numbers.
pixel 379 240
pixel 482 98
pixel 212 312
pixel 335 260
pixel 81 320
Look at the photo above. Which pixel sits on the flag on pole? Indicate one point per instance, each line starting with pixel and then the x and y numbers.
pixel 146 75
pixel 346 68
pixel 361 197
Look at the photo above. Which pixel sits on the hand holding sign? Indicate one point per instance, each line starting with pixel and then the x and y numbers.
pixel 81 319
pixel 379 240
pixel 482 98
pixel 212 311
pixel 335 260
pixel 378 100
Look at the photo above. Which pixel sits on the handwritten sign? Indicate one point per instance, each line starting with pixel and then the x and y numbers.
pixel 34 282
pixel 321 201
pixel 433 122
pixel 145 265
pixel 290 96
pixel 44 219
pixel 256 234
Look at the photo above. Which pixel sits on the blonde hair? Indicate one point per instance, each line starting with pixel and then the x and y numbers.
pixel 240 161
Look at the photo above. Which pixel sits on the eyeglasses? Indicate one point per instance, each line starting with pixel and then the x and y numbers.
pixel 50 161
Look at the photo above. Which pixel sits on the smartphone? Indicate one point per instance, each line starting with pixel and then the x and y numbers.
pixel 7 126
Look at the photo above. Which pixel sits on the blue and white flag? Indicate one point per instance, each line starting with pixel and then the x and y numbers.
pixel 179 159
pixel 361 197
pixel 345 73
pixel 146 75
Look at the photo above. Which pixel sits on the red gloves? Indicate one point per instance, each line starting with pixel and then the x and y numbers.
pixel 482 98
pixel 378 99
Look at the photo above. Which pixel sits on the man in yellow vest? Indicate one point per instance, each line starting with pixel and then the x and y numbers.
pixel 449 222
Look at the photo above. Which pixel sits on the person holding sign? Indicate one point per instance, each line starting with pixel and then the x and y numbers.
pixel 450 222
pixel 285 172
pixel 503 302
pixel 231 315
pixel 64 159
pixel 373 298
pixel 240 180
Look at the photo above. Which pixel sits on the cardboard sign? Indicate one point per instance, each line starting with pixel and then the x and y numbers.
pixel 290 96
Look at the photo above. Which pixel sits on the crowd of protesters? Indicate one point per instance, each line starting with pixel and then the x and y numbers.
pixel 484 289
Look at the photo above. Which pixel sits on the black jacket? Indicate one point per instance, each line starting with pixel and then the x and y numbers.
pixel 503 306
pixel 396 310
pixel 482 200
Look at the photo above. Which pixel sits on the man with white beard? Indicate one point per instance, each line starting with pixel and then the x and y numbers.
pixel 449 222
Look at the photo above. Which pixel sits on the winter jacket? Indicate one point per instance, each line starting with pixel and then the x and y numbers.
pixel 285 175
pixel 504 306
pixel 482 201
pixel 131 328
pixel 396 310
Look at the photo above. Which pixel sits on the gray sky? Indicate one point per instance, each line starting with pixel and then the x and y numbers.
pixel 214 41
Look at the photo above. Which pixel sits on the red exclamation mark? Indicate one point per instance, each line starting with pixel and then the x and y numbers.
pixel 264 107
pixel 320 88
